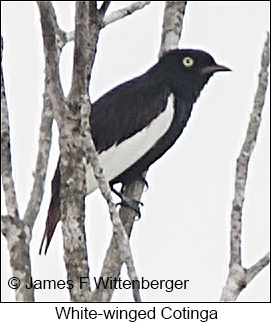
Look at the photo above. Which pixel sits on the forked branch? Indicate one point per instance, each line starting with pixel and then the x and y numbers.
pixel 239 276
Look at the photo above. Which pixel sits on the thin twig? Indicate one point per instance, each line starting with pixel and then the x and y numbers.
pixel 6 168
pixel 45 139
pixel 238 276
pixel 255 269
pixel 124 12
pixel 244 158
pixel 17 233
pixel 114 16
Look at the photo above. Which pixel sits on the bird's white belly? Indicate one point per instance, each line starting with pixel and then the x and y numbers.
pixel 118 158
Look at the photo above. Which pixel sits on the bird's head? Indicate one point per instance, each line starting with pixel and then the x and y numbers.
pixel 188 70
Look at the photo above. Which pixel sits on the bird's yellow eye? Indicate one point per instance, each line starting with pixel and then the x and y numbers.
pixel 188 61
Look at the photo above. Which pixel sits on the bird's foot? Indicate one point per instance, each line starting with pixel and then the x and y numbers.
pixel 129 202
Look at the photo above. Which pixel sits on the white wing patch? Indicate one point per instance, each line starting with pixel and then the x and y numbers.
pixel 120 157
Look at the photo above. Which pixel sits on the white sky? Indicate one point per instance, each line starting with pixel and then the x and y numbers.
pixel 184 229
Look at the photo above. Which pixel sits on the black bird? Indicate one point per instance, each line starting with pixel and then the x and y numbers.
pixel 135 123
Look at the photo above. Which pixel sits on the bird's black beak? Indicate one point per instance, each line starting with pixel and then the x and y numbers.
pixel 214 68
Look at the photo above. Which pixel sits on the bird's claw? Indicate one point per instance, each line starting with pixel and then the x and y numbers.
pixel 143 179
pixel 132 204
pixel 129 202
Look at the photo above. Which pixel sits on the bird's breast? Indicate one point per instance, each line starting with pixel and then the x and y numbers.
pixel 119 158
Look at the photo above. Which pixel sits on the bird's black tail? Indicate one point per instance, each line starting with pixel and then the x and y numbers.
pixel 53 216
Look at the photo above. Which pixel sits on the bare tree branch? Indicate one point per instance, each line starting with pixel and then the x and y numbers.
pixel 114 16
pixel 88 23
pixel 6 168
pixel 172 25
pixel 121 13
pixel 72 205
pixel 238 276
pixel 87 26
pixel 18 237
pixel 52 55
pixel 255 269
pixel 45 139
pixel 13 228
pixel 18 232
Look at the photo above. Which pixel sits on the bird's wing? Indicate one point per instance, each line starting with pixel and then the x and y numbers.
pixel 125 127
pixel 182 111
pixel 125 110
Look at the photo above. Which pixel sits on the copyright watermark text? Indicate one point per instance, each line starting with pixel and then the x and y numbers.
pixel 167 285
